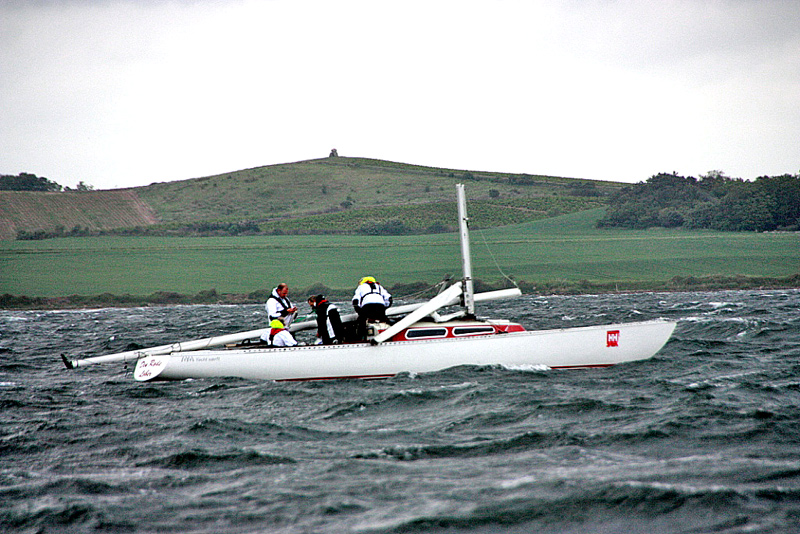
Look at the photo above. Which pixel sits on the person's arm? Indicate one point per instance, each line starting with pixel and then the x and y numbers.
pixel 358 296
pixel 387 297
pixel 272 309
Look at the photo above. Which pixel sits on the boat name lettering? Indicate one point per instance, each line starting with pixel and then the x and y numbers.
pixel 612 338
pixel 151 363
pixel 188 358
pixel 207 359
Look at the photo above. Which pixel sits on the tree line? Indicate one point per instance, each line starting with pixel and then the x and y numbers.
pixel 194 229
pixel 714 201
pixel 25 181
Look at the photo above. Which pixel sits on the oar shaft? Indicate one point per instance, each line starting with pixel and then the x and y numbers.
pixel 441 300
pixel 197 344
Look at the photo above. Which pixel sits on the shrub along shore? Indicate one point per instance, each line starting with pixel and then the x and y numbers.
pixel 415 290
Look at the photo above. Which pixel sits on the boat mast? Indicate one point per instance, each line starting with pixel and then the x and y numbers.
pixel 469 292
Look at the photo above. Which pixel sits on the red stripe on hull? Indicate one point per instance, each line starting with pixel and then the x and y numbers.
pixel 363 377
pixel 384 377
pixel 590 366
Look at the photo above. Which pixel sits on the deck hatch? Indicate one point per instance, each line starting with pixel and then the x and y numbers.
pixel 472 330
pixel 420 333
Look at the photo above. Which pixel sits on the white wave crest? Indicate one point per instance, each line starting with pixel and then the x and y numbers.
pixel 527 367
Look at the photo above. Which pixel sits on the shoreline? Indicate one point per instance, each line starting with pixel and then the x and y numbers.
pixel 166 298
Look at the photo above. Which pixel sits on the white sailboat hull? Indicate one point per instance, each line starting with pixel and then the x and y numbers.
pixel 593 346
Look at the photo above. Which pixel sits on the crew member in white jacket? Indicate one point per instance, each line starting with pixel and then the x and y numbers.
pixel 370 302
pixel 280 307
pixel 278 336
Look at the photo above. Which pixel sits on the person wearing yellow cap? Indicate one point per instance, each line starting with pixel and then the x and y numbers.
pixel 278 336
pixel 370 302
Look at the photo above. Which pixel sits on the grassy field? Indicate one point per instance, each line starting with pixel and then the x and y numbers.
pixel 565 249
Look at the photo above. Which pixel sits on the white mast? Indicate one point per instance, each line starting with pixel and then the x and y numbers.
pixel 469 292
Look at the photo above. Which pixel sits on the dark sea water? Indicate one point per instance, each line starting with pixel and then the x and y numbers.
pixel 704 437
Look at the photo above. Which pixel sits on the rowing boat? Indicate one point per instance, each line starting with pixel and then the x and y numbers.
pixel 416 339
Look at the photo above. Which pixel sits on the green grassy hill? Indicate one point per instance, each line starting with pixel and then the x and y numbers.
pixel 328 195
pixel 327 185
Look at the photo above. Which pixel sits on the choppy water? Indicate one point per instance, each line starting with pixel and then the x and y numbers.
pixel 705 437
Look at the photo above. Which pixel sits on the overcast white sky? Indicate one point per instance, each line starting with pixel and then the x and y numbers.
pixel 126 93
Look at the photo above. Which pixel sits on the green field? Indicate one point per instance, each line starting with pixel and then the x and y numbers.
pixel 566 249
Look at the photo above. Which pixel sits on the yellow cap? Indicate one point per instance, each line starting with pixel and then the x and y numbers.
pixel 367 279
pixel 276 323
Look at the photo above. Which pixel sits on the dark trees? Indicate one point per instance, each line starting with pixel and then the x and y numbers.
pixel 715 202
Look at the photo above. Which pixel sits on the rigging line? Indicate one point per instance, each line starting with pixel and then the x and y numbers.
pixel 418 294
pixel 485 242
pixel 437 287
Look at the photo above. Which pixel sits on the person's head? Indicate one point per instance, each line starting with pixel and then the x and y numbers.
pixel 276 324
pixel 282 290
pixel 367 279
pixel 315 300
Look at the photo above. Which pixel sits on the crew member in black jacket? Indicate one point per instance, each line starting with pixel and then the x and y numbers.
pixel 329 322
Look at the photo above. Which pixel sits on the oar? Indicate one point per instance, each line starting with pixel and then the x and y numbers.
pixel 439 301
pixel 448 297
pixel 197 344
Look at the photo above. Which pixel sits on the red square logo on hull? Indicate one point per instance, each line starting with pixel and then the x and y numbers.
pixel 612 338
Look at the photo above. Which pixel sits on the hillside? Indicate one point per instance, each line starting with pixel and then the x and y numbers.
pixel 330 195
pixel 71 211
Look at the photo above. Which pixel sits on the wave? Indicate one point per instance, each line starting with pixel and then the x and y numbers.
pixel 53 516
pixel 478 448
pixel 637 507
pixel 196 459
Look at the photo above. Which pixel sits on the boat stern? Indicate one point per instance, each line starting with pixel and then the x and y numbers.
pixel 149 367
